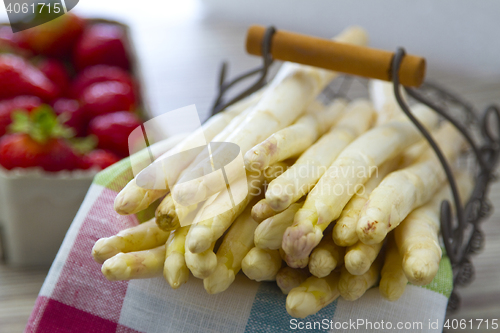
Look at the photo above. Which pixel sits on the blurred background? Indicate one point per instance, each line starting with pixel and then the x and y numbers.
pixel 181 44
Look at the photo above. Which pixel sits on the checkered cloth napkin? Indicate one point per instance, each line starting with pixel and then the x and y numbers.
pixel 77 298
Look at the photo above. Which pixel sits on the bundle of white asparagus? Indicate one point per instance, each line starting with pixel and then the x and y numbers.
pixel 327 185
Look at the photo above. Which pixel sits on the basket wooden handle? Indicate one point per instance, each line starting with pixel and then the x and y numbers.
pixel 328 54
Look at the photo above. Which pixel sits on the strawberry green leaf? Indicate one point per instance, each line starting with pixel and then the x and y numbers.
pixel 84 145
pixel 41 124
pixel 20 122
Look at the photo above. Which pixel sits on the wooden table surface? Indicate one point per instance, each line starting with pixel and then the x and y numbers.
pixel 180 57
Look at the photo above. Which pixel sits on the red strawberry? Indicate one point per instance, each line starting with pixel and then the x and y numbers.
pixel 59 156
pixel 8 106
pixel 75 114
pixel 101 43
pixel 18 77
pixel 106 97
pixel 19 150
pixel 112 130
pixel 54 38
pixel 56 72
pixel 99 158
pixel 39 143
pixel 99 73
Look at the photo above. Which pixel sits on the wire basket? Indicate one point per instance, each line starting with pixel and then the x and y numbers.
pixel 461 232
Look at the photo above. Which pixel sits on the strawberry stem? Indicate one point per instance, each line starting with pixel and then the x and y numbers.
pixel 41 124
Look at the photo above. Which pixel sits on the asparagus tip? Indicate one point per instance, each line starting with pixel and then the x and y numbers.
pixel 300 304
pixel 279 202
pixel 356 262
pixel 102 251
pixel 322 263
pixel 116 268
pixel 418 270
pixel 389 289
pixel 199 239
pixel 219 280
pixel 175 270
pixel 351 288
pixel 298 242
pixel 201 264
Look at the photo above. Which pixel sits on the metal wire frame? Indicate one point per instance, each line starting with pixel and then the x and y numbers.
pixel 477 207
pixel 262 71
pixel 486 154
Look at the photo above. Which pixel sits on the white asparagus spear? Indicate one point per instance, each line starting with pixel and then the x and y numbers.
pixel 359 257
pixel 134 265
pixel 261 265
pixel 167 213
pixel 204 262
pixel 269 233
pixel 416 150
pixel 202 234
pixel 276 170
pixel 217 127
pixel 144 236
pixel 392 278
pixel 234 247
pixel 134 198
pixel 294 87
pixel 326 257
pixel 315 106
pixel 346 175
pixel 417 236
pixel 201 264
pixel 175 270
pixel 288 278
pixel 344 231
pixel 166 217
pixel 413 153
pixel 404 190
pixel 384 100
pixel 186 172
pixel 352 287
pixel 217 224
pixel 300 178
pixel 294 139
pixel 262 211
pixel 312 295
